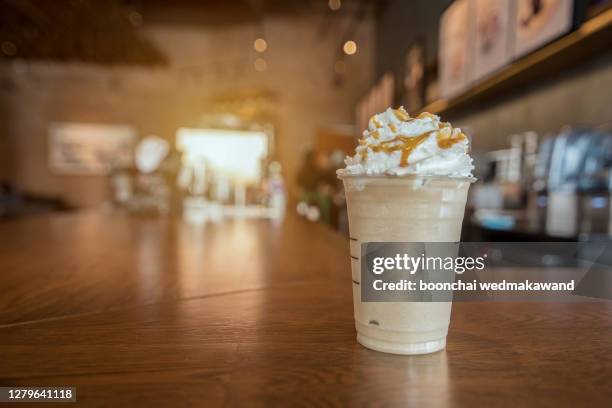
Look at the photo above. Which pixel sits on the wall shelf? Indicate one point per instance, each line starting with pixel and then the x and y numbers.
pixel 593 37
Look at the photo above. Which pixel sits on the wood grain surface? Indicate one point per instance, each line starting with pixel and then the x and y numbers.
pixel 147 312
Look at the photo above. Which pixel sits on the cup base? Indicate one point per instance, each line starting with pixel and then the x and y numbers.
pixel 401 348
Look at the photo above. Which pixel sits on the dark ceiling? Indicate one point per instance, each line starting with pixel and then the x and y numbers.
pixel 224 12
pixel 96 31
pixel 107 31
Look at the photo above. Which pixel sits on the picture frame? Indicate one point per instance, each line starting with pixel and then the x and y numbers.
pixel 537 22
pixel 455 51
pixel 492 36
pixel 89 148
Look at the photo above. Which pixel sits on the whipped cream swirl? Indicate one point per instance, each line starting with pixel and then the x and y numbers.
pixel 396 144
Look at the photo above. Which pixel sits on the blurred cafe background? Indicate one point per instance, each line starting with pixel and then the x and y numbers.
pixel 210 110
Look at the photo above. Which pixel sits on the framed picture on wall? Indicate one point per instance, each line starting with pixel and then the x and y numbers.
pixel 492 36
pixel 455 48
pixel 414 77
pixel 89 149
pixel 537 22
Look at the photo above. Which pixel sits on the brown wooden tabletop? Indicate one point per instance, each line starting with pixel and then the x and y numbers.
pixel 155 312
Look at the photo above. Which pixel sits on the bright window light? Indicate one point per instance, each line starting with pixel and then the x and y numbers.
pixel 235 154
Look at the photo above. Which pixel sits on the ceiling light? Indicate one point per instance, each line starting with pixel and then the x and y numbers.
pixel 260 45
pixel 350 47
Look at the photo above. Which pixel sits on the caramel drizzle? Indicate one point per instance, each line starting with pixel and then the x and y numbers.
pixel 407 144
pixel 401 115
pixel 375 121
pixel 424 115
pixel 447 142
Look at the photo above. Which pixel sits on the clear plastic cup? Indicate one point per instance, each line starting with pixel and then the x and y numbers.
pixel 402 209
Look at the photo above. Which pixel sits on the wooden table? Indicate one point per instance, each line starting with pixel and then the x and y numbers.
pixel 155 312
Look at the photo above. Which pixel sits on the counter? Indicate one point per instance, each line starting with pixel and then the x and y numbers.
pixel 155 312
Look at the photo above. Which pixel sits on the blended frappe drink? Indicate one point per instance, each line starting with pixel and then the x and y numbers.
pixel 407 182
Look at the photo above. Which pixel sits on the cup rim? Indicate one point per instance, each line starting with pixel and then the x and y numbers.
pixel 342 176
